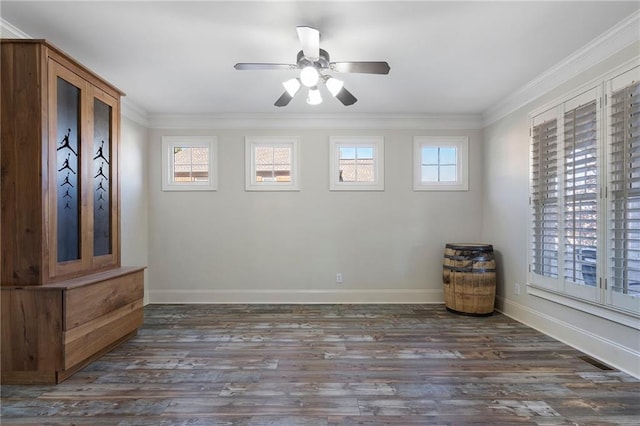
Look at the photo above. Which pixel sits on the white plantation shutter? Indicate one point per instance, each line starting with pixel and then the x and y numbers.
pixel 624 194
pixel 580 179
pixel 584 240
pixel 544 198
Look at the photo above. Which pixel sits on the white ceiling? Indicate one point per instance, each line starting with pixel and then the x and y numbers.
pixel 175 57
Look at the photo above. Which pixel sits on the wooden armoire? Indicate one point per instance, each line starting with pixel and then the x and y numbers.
pixel 65 299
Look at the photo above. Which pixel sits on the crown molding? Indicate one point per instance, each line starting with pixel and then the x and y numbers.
pixel 316 121
pixel 8 30
pixel 620 36
pixel 133 112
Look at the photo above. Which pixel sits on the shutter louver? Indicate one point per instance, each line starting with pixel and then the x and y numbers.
pixel 625 189
pixel 544 199
pixel 580 194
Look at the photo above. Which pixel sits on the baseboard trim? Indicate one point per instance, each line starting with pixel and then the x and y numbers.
pixel 614 354
pixel 297 296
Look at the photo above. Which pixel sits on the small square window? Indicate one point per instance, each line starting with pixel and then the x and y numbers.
pixel 440 163
pixel 188 163
pixel 357 163
pixel 271 164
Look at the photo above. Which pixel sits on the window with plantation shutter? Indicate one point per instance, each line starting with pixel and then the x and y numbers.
pixel 544 198
pixel 584 239
pixel 624 193
pixel 580 194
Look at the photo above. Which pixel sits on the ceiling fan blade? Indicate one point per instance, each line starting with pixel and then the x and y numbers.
pixel 346 97
pixel 263 66
pixel 283 100
pixel 361 67
pixel 310 42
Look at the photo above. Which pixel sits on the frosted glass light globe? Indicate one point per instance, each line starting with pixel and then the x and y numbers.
pixel 309 76
pixel 334 85
pixel 314 97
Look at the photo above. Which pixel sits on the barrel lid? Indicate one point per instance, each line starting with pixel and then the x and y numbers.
pixel 470 246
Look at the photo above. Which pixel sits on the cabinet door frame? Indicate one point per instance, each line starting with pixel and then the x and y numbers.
pixel 87 262
pixel 113 258
pixel 71 267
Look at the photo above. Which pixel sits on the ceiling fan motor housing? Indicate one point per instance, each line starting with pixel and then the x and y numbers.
pixel 321 63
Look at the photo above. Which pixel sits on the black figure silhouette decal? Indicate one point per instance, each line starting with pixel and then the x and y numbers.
pixel 100 173
pixel 65 143
pixel 66 181
pixel 67 195
pixel 67 206
pixel 100 154
pixel 66 165
pixel 100 187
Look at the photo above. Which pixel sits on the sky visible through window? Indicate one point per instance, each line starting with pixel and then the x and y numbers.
pixel 439 164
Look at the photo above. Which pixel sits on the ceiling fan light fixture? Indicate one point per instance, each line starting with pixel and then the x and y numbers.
pixel 309 76
pixel 292 86
pixel 334 85
pixel 314 97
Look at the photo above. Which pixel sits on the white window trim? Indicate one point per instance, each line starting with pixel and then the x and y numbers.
pixel 168 145
pixel 375 142
pixel 250 166
pixel 461 143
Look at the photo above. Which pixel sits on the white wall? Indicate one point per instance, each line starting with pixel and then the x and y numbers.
pixel 241 247
pixel 134 191
pixel 506 179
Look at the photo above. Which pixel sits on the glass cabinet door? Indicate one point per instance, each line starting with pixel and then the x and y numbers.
pixel 68 170
pixel 83 197
pixel 101 178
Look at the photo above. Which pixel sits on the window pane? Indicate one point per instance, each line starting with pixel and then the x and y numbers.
pixel 365 152
pixel 364 172
pixel 347 153
pixel 429 155
pixel 448 174
pixel 273 164
pixel 347 171
pixel 356 164
pixel 429 173
pixel 448 155
pixel 190 164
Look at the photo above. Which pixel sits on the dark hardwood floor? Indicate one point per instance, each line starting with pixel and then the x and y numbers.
pixel 331 365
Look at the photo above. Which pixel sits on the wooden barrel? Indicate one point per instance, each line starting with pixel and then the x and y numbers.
pixel 469 278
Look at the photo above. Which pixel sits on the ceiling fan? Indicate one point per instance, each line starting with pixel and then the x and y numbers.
pixel 314 64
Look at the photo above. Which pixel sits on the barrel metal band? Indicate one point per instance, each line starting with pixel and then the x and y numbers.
pixel 478 258
pixel 472 270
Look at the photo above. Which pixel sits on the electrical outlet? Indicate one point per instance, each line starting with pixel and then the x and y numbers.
pixel 339 278
pixel 516 289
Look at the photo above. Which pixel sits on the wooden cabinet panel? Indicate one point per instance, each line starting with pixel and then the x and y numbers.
pixel 23 130
pixel 31 330
pixel 85 340
pixel 84 304
pixel 99 310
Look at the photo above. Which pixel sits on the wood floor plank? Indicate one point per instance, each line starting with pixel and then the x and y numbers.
pixel 331 365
